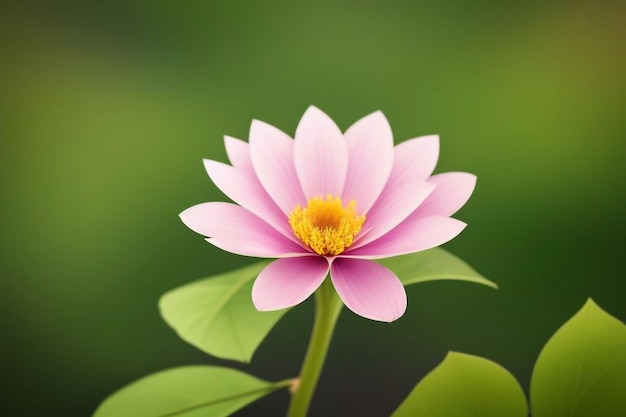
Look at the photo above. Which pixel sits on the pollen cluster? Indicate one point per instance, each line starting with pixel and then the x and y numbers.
pixel 325 225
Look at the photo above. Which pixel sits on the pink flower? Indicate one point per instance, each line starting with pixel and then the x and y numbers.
pixel 328 201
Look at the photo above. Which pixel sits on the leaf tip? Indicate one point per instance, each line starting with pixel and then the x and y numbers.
pixel 160 303
pixel 591 304
pixel 453 355
pixel 162 308
pixel 591 307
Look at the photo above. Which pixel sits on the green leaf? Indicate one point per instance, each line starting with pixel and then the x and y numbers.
pixel 190 391
pixel 431 265
pixel 465 386
pixel 217 316
pixel 581 372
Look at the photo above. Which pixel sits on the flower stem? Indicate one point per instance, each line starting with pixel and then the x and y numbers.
pixel 327 308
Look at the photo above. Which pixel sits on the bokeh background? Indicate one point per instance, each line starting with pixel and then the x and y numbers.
pixel 107 108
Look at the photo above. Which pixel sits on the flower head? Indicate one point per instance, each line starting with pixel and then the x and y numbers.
pixel 329 201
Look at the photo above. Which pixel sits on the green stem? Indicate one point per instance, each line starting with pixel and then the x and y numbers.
pixel 327 308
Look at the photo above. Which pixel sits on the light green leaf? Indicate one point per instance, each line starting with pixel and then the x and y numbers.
pixel 465 386
pixel 190 391
pixel 581 372
pixel 217 316
pixel 433 264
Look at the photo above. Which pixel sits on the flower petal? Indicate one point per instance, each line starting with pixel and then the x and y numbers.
pixel 238 153
pixel 418 155
pixel 321 155
pixel 245 189
pixel 246 247
pixel 287 282
pixel 370 152
pixel 271 151
pixel 452 191
pixel 233 227
pixel 398 200
pixel 405 189
pixel 412 235
pixel 368 289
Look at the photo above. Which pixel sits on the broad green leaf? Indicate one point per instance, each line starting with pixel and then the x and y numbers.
pixel 581 372
pixel 465 386
pixel 433 264
pixel 190 391
pixel 217 316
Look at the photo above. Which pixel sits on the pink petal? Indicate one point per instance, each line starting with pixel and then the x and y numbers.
pixel 368 289
pixel 272 157
pixel 412 235
pixel 405 190
pixel 321 155
pixel 244 188
pixel 238 153
pixel 287 282
pixel 370 151
pixel 452 191
pixel 398 200
pixel 418 155
pixel 247 247
pixel 233 227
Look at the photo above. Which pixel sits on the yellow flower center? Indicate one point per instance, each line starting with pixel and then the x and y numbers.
pixel 325 226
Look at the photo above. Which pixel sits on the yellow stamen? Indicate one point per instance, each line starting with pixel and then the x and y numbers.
pixel 326 226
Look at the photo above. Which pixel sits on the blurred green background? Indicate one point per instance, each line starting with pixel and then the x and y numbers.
pixel 107 108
